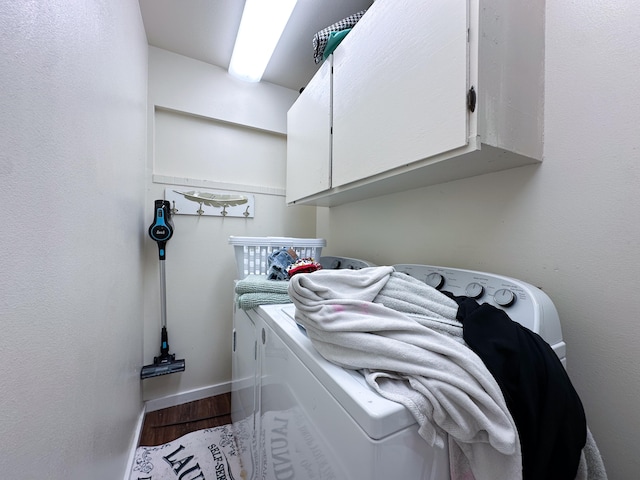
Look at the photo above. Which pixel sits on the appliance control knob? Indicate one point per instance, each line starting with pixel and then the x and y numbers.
pixel 435 280
pixel 474 290
pixel 335 264
pixel 504 297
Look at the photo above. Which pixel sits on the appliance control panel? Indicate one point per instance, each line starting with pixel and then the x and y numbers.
pixel 339 263
pixel 524 303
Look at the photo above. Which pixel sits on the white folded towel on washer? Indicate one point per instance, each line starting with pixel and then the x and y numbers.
pixel 444 384
pixel 426 305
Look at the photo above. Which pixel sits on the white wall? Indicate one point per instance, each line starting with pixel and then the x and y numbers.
pixel 209 130
pixel 570 226
pixel 72 150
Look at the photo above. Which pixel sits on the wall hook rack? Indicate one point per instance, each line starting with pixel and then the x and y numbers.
pixel 209 203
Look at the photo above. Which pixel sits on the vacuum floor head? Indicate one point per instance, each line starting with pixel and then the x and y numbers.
pixel 162 366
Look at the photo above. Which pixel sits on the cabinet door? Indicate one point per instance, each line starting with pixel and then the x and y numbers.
pixel 309 138
pixel 245 390
pixel 399 87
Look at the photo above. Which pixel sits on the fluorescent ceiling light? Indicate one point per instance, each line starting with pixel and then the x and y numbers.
pixel 262 24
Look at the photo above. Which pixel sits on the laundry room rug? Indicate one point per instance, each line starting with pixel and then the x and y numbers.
pixel 204 454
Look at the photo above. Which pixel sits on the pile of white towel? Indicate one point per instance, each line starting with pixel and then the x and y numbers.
pixel 405 338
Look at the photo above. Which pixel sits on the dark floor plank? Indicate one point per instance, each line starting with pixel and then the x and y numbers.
pixel 168 424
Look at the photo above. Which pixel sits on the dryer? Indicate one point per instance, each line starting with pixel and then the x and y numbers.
pixel 298 416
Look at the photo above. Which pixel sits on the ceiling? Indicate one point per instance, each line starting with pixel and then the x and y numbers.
pixel 205 30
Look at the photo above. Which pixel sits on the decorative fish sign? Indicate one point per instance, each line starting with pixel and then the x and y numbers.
pixel 214 199
pixel 210 203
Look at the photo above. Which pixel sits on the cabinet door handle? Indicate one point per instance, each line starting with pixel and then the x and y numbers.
pixel 471 99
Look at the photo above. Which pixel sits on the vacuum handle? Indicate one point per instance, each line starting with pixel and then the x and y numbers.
pixel 161 229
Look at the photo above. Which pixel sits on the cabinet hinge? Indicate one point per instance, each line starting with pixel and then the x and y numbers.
pixel 471 100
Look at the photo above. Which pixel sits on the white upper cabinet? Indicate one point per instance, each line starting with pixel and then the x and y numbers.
pixel 399 98
pixel 309 138
pixel 422 93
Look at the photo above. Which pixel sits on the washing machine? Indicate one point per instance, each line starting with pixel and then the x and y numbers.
pixel 298 416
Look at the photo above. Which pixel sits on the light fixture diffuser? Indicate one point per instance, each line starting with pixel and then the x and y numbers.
pixel 262 24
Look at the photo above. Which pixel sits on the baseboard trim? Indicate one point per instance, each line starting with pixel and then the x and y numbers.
pixel 134 444
pixel 185 397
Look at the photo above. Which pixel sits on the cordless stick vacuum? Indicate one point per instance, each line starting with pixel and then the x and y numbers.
pixel 161 231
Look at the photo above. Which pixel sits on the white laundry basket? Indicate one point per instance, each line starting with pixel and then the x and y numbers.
pixel 252 252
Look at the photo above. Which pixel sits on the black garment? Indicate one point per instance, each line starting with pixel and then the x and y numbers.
pixel 543 403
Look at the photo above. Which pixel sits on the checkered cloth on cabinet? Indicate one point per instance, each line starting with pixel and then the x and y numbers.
pixel 320 38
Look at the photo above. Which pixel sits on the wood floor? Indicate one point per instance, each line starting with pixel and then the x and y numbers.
pixel 165 425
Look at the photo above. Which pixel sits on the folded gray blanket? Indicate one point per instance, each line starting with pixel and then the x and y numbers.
pixel 247 301
pixel 260 284
pixel 444 384
pixel 255 290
